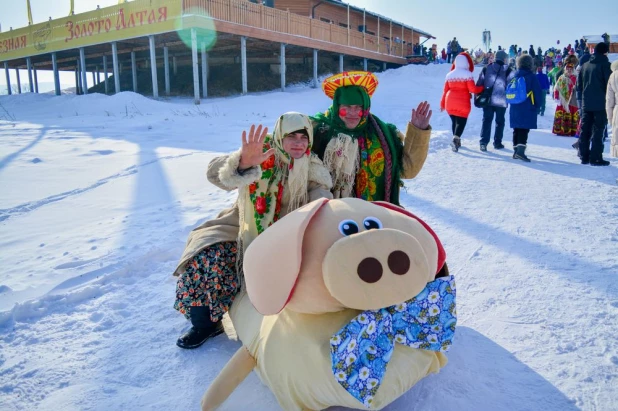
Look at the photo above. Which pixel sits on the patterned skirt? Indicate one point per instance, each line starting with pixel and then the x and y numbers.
pixel 565 124
pixel 209 280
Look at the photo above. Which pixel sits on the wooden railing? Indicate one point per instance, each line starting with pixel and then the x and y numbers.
pixel 254 15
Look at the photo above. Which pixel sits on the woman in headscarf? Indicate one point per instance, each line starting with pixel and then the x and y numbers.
pixel 274 175
pixel 458 89
pixel 367 158
pixel 566 117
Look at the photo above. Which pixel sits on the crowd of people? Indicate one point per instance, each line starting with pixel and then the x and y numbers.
pixel 578 80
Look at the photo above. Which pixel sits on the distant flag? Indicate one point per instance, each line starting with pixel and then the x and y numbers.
pixel 29 12
pixel 72 12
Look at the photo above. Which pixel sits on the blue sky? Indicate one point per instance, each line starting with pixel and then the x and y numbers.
pixel 523 22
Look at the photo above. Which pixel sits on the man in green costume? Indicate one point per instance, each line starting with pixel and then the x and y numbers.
pixel 367 157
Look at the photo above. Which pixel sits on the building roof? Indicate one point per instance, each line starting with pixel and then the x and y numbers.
pixel 416 29
pixel 596 38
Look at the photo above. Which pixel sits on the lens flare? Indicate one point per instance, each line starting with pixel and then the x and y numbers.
pixel 204 26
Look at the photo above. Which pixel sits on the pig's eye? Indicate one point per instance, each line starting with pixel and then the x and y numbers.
pixel 372 223
pixel 348 227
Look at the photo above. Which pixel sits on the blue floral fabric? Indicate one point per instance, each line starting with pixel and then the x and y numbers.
pixel 361 350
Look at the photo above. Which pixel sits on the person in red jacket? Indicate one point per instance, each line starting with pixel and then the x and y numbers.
pixel 458 87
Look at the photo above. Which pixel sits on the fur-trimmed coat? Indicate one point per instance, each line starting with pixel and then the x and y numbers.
pixel 223 173
pixel 459 87
pixel 611 105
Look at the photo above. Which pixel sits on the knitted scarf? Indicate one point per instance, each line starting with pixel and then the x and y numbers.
pixel 368 157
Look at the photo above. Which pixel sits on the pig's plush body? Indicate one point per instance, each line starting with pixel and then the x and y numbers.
pixel 310 275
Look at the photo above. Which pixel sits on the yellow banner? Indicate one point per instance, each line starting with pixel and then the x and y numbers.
pixel 129 20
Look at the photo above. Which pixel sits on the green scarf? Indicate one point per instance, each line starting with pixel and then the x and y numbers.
pixel 370 181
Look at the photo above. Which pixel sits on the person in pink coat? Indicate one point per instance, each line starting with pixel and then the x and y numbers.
pixel 458 89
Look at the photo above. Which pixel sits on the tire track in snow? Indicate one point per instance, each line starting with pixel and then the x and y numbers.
pixel 25 208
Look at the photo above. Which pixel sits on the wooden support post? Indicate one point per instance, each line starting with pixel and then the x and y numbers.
pixel 282 65
pixel 36 80
pixel 56 75
pixel 390 39
pixel 379 39
pixel 8 77
pixel 77 92
pixel 204 71
pixel 341 63
pixel 18 81
pixel 402 35
pixel 30 81
pixel 134 71
pixel 153 66
pixel 80 90
pixel 243 62
pixel 116 68
pixel 105 74
pixel 196 75
pixel 315 68
pixel 262 17
pixel 364 29
pixel 365 64
pixel 348 24
pixel 166 68
pixel 82 64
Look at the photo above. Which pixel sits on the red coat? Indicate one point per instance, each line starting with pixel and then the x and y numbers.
pixel 459 87
pixel 456 97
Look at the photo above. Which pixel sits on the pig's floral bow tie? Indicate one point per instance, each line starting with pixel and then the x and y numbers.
pixel 361 350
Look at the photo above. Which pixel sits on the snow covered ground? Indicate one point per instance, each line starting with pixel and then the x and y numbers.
pixel 98 194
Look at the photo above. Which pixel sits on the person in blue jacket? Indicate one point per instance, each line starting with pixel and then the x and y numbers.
pixel 523 115
pixel 544 82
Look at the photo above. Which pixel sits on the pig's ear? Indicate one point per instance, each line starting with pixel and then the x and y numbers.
pixel 272 261
pixel 441 252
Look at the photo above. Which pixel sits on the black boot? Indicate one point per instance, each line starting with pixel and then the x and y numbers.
pixel 456 143
pixel 203 328
pixel 600 162
pixel 520 153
